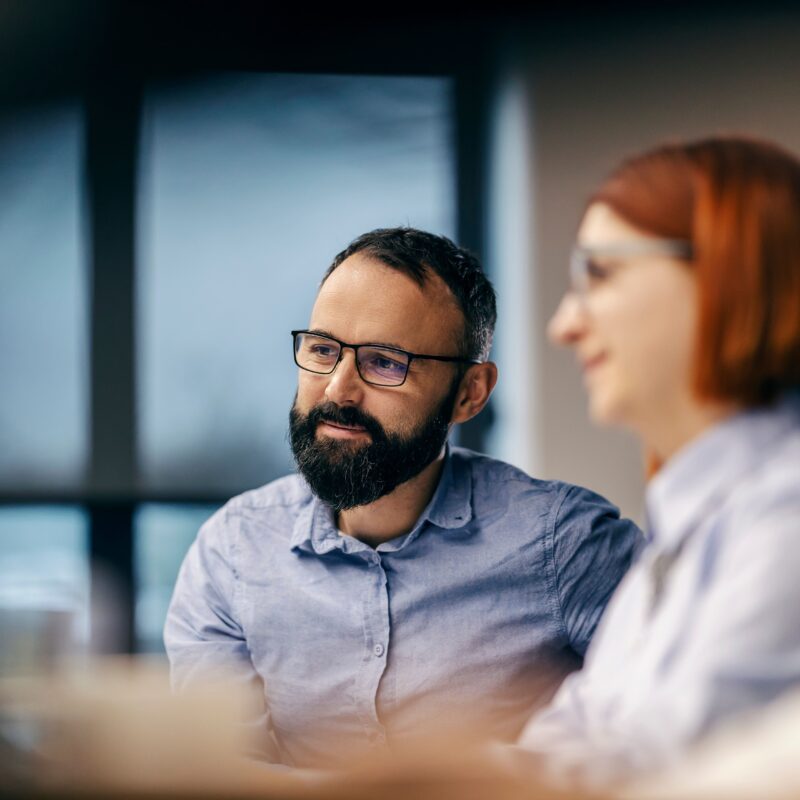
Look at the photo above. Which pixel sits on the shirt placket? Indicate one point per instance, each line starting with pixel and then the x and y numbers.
pixel 377 640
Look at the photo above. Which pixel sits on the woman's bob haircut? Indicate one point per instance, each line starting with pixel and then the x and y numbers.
pixel 737 201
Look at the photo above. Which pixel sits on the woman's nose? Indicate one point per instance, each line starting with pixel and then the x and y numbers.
pixel 568 323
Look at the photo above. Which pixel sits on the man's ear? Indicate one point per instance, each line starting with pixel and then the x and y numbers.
pixel 474 391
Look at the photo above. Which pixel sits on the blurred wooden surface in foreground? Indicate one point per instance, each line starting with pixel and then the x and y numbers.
pixel 115 730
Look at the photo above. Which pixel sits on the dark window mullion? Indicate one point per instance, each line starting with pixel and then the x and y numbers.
pixel 113 579
pixel 471 121
pixel 113 112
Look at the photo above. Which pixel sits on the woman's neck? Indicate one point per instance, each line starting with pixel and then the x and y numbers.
pixel 668 432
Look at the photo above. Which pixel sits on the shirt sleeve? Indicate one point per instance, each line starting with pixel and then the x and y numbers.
pixel 592 550
pixel 203 636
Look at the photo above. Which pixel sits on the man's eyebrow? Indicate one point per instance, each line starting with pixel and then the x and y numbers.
pixel 391 345
pixel 321 332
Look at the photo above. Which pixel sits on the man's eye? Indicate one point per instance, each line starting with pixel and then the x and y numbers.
pixel 322 351
pixel 383 366
pixel 386 363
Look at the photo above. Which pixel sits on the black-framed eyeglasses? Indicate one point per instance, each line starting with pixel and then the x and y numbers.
pixel 376 364
pixel 587 271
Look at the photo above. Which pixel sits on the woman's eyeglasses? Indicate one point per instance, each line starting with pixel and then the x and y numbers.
pixel 587 268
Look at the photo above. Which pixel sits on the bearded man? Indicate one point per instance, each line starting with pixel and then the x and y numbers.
pixel 396 584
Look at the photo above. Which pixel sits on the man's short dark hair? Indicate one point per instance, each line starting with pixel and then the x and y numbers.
pixel 417 253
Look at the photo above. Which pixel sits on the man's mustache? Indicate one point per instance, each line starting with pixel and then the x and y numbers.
pixel 346 415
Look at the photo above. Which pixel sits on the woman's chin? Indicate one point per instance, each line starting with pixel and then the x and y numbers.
pixel 604 411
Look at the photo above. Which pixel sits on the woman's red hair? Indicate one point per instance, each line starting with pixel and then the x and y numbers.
pixel 737 201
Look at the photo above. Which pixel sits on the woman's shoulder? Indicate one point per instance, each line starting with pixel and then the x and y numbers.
pixel 766 500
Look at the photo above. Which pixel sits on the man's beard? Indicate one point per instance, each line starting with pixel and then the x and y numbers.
pixel 345 474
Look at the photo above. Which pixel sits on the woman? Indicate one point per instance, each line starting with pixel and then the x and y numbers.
pixel 684 314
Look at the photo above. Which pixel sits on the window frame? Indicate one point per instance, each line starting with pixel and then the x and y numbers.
pixel 112 100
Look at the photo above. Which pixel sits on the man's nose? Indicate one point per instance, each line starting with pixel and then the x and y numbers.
pixel 345 386
pixel 568 324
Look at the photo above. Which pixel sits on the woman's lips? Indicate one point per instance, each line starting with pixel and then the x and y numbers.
pixel 336 431
pixel 592 362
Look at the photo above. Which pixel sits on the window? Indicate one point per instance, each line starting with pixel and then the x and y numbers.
pixel 250 184
pixel 162 534
pixel 43 302
pixel 44 585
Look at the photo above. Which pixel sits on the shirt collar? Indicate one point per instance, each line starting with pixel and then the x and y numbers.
pixel 450 508
pixel 451 504
pixel 699 476
pixel 315 528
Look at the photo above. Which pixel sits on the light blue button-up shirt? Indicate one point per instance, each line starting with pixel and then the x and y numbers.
pixel 707 622
pixel 473 617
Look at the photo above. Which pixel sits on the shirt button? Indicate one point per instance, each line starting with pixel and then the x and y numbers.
pixel 378 650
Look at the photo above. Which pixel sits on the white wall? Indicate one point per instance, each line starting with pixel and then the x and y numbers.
pixel 591 100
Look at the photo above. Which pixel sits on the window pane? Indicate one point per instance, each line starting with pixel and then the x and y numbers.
pixel 250 184
pixel 44 583
pixel 43 302
pixel 163 535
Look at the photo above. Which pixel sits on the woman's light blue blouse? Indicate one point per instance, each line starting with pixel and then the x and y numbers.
pixel 707 622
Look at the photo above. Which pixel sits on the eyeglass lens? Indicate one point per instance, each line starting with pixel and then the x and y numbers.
pixel 586 271
pixel 376 365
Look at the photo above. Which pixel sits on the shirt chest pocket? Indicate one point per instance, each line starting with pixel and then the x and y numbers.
pixel 306 640
pixel 295 624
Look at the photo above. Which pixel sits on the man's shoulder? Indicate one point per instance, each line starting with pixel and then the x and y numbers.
pixel 282 495
pixel 571 514
pixel 500 476
pixel 259 515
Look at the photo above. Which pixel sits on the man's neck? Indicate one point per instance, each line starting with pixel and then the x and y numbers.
pixel 393 514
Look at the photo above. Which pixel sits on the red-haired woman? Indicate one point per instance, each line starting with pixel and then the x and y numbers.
pixel 684 314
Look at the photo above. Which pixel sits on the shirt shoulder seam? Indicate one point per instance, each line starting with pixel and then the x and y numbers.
pixel 231 546
pixel 551 554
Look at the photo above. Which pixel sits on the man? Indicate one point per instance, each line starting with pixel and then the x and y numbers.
pixel 396 584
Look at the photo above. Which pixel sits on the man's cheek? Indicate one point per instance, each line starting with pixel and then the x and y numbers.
pixel 310 388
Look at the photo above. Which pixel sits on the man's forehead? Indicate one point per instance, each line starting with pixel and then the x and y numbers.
pixel 364 297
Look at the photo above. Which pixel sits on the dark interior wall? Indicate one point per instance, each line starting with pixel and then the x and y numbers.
pixel 48 48
pixel 51 47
